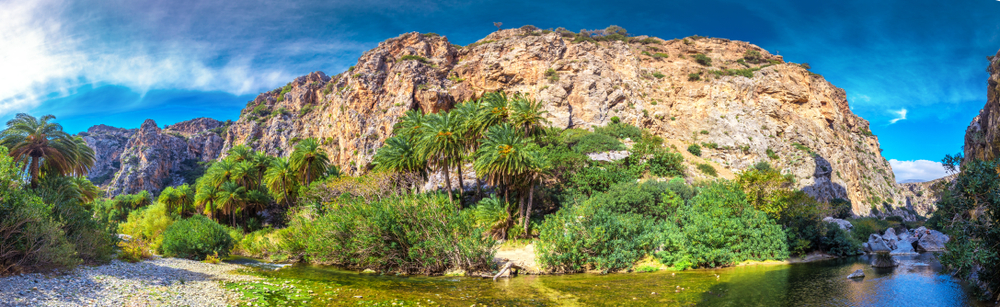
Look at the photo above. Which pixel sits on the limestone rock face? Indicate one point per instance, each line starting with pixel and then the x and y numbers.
pixel 150 158
pixel 843 224
pixel 921 197
pixel 108 144
pixel 983 134
pixel 773 111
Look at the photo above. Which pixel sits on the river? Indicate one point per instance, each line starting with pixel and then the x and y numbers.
pixel 918 281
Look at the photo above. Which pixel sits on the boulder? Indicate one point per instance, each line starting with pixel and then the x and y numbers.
pixel 919 232
pixel 865 248
pixel 876 244
pixel 933 241
pixel 857 274
pixel 845 225
pixel 884 260
pixel 903 248
pixel 890 238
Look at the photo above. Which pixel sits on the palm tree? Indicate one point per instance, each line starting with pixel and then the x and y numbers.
pixel 537 171
pixel 470 129
pixel 399 155
pixel 239 153
pixel 410 126
pixel 308 160
pixel 229 199
pixel 495 110
pixel 441 145
pixel 38 144
pixel 279 179
pixel 527 114
pixel 502 157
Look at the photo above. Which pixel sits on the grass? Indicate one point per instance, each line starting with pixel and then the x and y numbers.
pixel 412 57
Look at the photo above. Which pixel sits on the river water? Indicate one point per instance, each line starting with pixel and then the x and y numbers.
pixel 918 281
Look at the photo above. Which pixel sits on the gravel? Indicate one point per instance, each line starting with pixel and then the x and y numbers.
pixel 156 282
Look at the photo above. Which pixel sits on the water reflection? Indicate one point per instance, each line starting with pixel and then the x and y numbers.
pixel 916 282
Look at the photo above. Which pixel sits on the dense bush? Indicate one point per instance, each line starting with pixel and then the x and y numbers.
pixel 666 164
pixel 195 238
pixel 595 142
pixel 694 149
pixel 620 130
pixel 600 176
pixel 707 169
pixel 148 224
pixel 840 208
pixel 413 233
pixel 586 237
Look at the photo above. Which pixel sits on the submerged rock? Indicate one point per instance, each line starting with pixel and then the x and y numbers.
pixel 884 260
pixel 903 248
pixel 857 274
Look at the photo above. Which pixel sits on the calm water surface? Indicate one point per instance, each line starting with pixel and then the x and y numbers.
pixel 918 281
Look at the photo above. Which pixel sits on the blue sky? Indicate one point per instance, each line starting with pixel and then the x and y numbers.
pixel 120 62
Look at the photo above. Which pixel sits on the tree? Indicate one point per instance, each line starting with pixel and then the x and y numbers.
pixel 308 160
pixel 502 157
pixel 229 199
pixel 528 115
pixel 536 172
pixel 279 180
pixel 39 144
pixel 497 24
pixel 399 155
pixel 441 145
pixel 766 190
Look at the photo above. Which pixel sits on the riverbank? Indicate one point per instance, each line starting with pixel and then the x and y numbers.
pixel 156 282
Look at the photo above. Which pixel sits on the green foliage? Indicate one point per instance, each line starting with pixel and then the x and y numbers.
pixel 195 238
pixel 305 110
pixel 620 131
pixel 588 237
pixel 661 55
pixel 869 225
pixel 261 110
pixel 552 75
pixel 599 177
pixel 841 208
pixel 771 155
pixel 694 149
pixel 412 57
pixel 702 59
pixel 148 224
pixel 765 189
pixel 615 119
pixel 430 34
pixel 666 164
pixel 707 169
pixel 595 142
pixel 754 57
pixel 694 77
pixel 746 72
pixel 32 239
pixel 658 75
pixel 421 233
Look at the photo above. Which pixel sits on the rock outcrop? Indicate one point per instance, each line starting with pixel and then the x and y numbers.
pixel 843 224
pixel 982 137
pixel 150 158
pixel 108 144
pixel 922 197
pixel 751 109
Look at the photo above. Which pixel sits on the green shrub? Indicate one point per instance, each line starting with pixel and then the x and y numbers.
pixel 722 229
pixel 702 59
pixel 694 149
pixel 586 237
pixel 838 242
pixel 148 224
pixel 658 75
pixel 413 57
pixel 261 110
pixel 620 131
pixel 866 226
pixel 666 164
pixel 707 169
pixel 596 142
pixel 195 238
pixel 599 177
pixel 694 77
pixel 423 233
pixel 754 57
pixel 552 75
pixel 771 155
pixel 305 110
pixel 615 119
pixel 661 55
pixel 430 34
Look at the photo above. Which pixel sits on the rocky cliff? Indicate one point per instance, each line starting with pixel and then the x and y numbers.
pixel 150 158
pixel 982 138
pixel 922 197
pixel 744 104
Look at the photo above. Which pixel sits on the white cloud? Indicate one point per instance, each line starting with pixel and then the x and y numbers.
pixel 901 115
pixel 922 170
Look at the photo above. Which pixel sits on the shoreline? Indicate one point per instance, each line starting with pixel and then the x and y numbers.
pixel 154 282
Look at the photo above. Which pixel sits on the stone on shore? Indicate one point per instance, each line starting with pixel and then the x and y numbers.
pixel 876 244
pixel 844 224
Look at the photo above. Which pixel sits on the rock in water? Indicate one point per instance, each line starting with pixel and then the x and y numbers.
pixel 857 274
pixel 884 260
pixel 903 248
pixel 877 245
pixel 890 238
pixel 933 241
pixel 845 225
pixel 865 248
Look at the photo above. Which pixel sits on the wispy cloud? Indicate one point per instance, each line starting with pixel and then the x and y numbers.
pixel 53 47
pixel 901 115
pixel 921 170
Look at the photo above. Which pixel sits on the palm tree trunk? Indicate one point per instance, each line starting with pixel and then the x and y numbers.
pixel 284 190
pixel 527 213
pixel 479 192
pixel 461 185
pixel 34 172
pixel 447 182
pixel 520 206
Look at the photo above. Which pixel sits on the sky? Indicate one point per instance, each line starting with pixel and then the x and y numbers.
pixel 914 69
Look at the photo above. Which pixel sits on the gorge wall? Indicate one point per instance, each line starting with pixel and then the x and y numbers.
pixel 748 109
pixel 982 137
